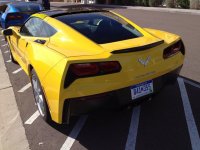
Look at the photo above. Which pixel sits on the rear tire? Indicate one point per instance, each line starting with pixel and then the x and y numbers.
pixel 40 99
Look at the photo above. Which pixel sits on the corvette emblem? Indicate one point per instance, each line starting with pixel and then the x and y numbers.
pixel 144 62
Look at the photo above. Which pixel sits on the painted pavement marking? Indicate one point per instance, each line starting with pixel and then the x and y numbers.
pixel 25 88
pixel 74 133
pixel 192 128
pixel 33 118
pixel 8 61
pixel 132 135
pixel 16 71
pixel 192 83
pixel 4 45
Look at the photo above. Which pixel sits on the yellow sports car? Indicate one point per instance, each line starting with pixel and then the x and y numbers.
pixel 80 58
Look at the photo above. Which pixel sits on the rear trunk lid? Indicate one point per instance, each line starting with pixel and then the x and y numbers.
pixel 132 45
pixel 141 58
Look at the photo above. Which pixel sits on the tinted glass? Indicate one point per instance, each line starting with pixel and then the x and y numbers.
pixel 7 9
pixel 29 8
pixel 37 28
pixel 101 27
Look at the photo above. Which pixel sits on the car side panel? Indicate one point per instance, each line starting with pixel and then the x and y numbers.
pixel 40 57
pixel 52 85
pixel 43 59
pixel 14 41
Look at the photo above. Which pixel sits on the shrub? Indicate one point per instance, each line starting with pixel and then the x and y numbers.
pixel 146 2
pixel 155 3
pixel 183 3
pixel 137 2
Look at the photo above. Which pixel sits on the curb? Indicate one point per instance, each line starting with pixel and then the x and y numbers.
pixel 171 10
pixel 158 9
pixel 12 132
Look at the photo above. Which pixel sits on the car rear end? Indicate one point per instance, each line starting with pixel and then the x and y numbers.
pixel 122 74
pixel 126 68
pixel 16 19
pixel 20 13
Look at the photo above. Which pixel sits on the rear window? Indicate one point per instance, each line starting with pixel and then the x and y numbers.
pixel 101 27
pixel 29 8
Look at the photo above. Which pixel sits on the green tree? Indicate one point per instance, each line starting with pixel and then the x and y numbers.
pixel 155 3
pixel 183 3
pixel 146 2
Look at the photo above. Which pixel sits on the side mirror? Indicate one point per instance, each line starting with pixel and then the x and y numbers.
pixel 7 32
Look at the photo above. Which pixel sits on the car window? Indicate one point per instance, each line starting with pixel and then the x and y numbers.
pixel 3 8
pixel 101 27
pixel 37 28
pixel 7 9
pixel 29 8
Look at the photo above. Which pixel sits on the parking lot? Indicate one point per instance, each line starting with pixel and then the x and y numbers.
pixel 170 121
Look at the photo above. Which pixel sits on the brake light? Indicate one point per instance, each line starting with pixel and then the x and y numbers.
pixel 81 70
pixel 174 49
pixel 109 67
pixel 96 68
pixel 15 17
pixel 86 69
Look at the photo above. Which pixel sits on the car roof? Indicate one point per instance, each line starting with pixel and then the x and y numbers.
pixel 56 13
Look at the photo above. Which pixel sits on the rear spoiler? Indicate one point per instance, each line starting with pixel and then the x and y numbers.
pixel 140 48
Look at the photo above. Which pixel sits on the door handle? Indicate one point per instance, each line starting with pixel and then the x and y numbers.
pixel 26 44
pixel 40 41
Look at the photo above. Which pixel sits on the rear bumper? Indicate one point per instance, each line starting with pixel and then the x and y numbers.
pixel 113 99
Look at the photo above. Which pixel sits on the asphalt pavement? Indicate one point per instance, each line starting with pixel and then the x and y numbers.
pixel 170 121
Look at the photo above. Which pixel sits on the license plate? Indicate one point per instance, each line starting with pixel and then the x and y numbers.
pixel 142 89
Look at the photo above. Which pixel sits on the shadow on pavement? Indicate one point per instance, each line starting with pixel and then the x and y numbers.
pixel 163 115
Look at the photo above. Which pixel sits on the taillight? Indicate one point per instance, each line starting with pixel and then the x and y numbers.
pixel 86 69
pixel 174 49
pixel 80 70
pixel 15 17
pixel 95 68
pixel 109 67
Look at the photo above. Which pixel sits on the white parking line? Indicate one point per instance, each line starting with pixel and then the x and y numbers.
pixel 32 118
pixel 2 39
pixel 74 133
pixel 192 83
pixel 25 88
pixel 6 52
pixel 16 71
pixel 8 61
pixel 132 135
pixel 4 45
pixel 192 128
